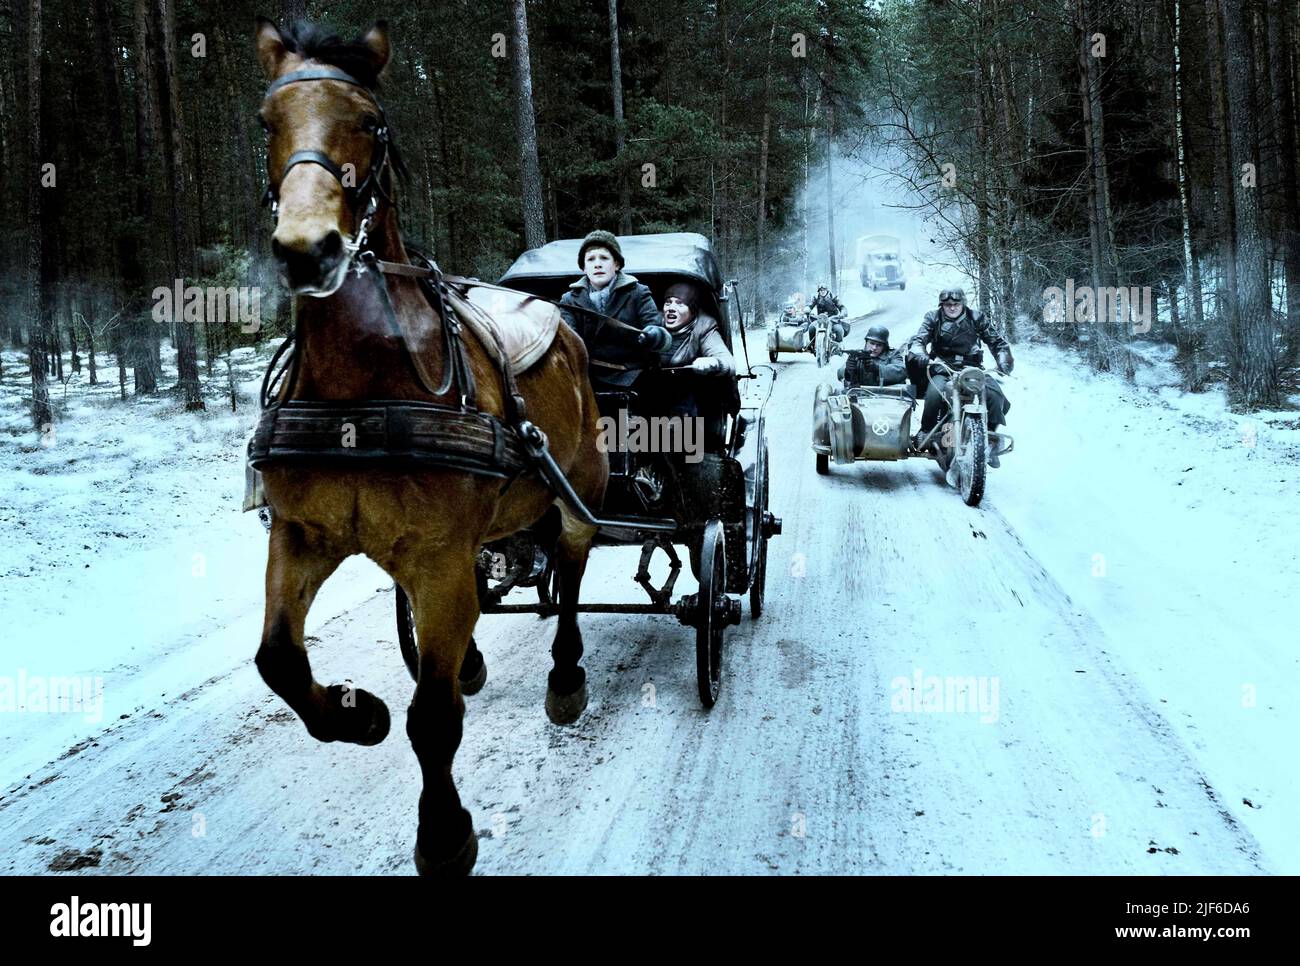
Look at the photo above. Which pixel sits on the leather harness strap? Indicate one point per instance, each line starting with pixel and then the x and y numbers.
pixel 388 431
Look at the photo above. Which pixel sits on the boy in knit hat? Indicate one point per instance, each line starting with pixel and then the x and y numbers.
pixel 617 355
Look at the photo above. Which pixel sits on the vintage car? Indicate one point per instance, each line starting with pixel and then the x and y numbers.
pixel 880 263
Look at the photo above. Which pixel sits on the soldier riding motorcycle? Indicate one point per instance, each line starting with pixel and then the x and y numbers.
pixel 952 336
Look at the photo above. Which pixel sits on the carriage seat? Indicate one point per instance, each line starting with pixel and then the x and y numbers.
pixel 513 325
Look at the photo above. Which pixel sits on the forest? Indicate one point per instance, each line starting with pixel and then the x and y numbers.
pixel 1144 146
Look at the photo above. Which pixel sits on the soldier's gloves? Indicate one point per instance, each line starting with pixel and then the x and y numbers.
pixel 706 365
pixel 654 338
pixel 1005 362
pixel 918 359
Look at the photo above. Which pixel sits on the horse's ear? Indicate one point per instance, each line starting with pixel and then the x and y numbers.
pixel 376 39
pixel 270 46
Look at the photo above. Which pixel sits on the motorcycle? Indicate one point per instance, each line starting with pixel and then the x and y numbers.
pixel 825 343
pixel 863 422
pixel 961 441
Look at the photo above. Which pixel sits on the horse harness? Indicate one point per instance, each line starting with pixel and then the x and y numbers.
pixel 404 432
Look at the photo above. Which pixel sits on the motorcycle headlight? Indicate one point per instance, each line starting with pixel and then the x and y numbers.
pixel 971 380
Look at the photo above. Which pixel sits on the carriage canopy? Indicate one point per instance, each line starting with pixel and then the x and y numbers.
pixel 657 261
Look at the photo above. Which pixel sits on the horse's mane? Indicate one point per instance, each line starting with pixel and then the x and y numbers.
pixel 318 42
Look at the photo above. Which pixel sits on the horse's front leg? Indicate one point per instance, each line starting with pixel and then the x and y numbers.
pixel 566 685
pixel 444 598
pixel 296 566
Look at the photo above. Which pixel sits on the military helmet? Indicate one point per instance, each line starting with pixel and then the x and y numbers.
pixel 954 294
pixel 878 333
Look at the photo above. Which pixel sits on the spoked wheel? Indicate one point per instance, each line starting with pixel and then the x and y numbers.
pixel 758 585
pixel 714 610
pixel 473 674
pixel 972 459
pixel 823 349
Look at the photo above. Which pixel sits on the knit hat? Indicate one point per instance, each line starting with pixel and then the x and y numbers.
pixel 600 239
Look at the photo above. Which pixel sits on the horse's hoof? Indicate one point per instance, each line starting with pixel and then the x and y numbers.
pixel 362 718
pixel 462 863
pixel 473 683
pixel 565 709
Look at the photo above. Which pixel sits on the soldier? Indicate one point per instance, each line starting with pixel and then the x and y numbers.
pixel 876 364
pixel 954 334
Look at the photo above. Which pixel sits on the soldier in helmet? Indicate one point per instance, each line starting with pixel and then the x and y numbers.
pixel 953 333
pixel 876 364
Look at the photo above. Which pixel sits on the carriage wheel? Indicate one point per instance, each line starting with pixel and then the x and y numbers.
pixel 711 613
pixel 406 634
pixel 758 585
pixel 472 675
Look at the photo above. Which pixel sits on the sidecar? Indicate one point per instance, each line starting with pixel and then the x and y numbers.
pixel 785 336
pixel 861 423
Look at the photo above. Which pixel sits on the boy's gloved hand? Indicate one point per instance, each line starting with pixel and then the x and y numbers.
pixel 654 338
pixel 706 364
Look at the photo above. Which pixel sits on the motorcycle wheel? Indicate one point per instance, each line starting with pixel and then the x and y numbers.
pixel 771 355
pixel 972 459
pixel 823 464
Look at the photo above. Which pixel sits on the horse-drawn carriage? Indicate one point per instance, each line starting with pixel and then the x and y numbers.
pixel 716 505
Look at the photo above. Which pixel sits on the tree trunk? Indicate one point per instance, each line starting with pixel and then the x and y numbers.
pixel 1225 221
pixel 1189 344
pixel 760 313
pixel 90 349
pixel 526 126
pixel 1254 376
pixel 141 336
pixel 181 244
pixel 830 193
pixel 1089 144
pixel 42 415
pixel 620 135
pixel 981 250
pixel 1279 44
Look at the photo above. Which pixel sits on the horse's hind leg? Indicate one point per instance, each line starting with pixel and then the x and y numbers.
pixel 566 686
pixel 444 598
pixel 295 570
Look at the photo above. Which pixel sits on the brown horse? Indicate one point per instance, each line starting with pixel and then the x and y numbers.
pixel 424 527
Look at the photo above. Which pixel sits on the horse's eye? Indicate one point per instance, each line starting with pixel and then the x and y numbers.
pixel 370 124
pixel 262 121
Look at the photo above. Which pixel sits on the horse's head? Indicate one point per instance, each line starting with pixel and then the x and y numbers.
pixel 326 144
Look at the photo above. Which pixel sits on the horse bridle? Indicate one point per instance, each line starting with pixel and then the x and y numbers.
pixel 362 199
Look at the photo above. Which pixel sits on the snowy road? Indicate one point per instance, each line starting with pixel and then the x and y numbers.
pixel 806 765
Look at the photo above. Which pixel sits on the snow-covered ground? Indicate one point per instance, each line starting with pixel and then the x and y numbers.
pixel 126 556
pixel 1118 601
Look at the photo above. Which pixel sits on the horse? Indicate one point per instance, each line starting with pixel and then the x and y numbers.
pixel 424 526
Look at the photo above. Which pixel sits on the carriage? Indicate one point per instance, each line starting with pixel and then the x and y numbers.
pixel 716 506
